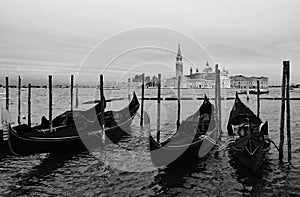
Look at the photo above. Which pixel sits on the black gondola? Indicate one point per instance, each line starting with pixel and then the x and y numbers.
pixel 251 142
pixel 70 130
pixel 189 140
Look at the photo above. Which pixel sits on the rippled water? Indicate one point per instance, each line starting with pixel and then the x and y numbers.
pixel 83 174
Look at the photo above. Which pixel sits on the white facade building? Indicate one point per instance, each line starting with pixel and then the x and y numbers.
pixel 204 79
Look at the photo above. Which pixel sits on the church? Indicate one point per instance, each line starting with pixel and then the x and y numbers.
pixel 204 79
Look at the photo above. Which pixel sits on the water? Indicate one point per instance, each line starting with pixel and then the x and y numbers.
pixel 82 174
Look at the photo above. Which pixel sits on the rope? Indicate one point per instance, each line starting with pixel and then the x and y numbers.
pixel 221 146
pixel 275 145
pixel 201 138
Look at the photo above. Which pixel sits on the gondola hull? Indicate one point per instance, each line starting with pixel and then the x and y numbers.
pixel 245 158
pixel 186 143
pixel 27 145
pixel 251 142
pixel 79 136
pixel 65 139
pixel 4 149
pixel 164 155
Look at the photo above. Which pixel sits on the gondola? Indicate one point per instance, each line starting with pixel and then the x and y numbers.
pixel 251 142
pixel 189 140
pixel 76 132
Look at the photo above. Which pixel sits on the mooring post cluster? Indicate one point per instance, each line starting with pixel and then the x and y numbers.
pixel 285 106
pixel 50 86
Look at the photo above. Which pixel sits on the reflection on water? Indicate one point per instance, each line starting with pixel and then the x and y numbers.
pixel 32 178
pixel 82 174
pixel 175 175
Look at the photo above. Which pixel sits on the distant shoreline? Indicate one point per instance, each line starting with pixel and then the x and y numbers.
pixel 114 88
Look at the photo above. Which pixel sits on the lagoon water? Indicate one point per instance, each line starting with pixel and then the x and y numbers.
pixel 126 169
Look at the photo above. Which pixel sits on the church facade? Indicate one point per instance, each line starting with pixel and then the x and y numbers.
pixel 204 79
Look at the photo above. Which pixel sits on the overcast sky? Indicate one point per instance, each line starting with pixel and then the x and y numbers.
pixel 250 37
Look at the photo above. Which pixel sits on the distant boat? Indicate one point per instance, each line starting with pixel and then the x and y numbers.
pixel 293 86
pixel 254 91
pixel 111 88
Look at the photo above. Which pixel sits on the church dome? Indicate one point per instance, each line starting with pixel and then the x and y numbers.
pixel 207 68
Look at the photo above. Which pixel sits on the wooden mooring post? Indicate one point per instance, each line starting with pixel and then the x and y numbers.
pixel 19 100
pixel 219 101
pixel 285 104
pixel 178 104
pixel 282 114
pixel 129 87
pixel 217 96
pixel 288 110
pixel 218 111
pixel 72 85
pixel 142 101
pixel 76 100
pixel 102 106
pixel 248 98
pixel 29 105
pixel 7 92
pixel 258 99
pixel 50 101
pixel 158 107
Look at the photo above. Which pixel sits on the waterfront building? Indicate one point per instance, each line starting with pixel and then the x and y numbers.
pixel 244 82
pixel 204 79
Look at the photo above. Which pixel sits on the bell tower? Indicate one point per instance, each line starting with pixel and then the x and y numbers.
pixel 179 63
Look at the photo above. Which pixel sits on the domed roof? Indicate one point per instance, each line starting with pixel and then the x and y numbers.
pixel 207 68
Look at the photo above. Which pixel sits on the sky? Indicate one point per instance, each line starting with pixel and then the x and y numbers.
pixel 123 38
